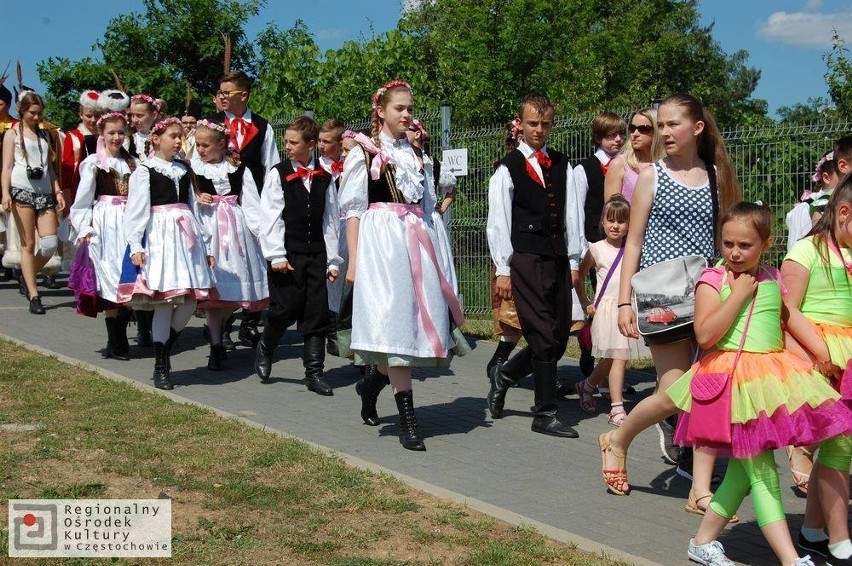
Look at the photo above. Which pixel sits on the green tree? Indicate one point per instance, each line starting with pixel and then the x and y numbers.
pixel 838 76
pixel 172 44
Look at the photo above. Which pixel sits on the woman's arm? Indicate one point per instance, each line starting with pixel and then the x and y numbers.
pixel 8 164
pixel 614 177
pixel 640 210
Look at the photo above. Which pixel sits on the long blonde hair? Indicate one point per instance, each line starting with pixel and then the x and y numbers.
pixel 658 150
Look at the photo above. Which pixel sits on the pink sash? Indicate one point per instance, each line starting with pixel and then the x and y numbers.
pixel 225 218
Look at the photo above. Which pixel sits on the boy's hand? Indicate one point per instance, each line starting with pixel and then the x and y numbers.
pixel 332 275
pixel 283 266
pixel 504 287
pixel 211 261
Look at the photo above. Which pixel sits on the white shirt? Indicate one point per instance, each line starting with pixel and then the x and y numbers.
pixel 499 227
pixel 268 152
pixel 273 229
pixel 326 164
pixel 799 223
pixel 249 196
pixel 80 213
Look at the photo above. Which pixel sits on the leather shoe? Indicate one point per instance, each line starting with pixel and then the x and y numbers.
pixel 36 306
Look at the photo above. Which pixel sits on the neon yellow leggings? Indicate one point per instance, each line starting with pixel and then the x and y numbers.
pixel 758 475
pixel 836 453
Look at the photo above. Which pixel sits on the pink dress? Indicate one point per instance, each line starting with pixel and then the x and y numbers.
pixel 629 182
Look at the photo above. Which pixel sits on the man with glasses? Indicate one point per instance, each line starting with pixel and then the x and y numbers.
pixel 253 139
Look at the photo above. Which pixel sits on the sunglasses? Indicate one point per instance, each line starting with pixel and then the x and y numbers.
pixel 644 129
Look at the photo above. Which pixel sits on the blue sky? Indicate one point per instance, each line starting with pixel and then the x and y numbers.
pixel 785 38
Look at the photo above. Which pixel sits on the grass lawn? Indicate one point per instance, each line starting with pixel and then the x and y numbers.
pixel 239 495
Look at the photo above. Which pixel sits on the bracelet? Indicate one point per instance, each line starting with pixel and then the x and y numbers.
pixel 619 305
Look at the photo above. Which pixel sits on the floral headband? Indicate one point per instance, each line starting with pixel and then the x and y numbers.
pixel 822 161
pixel 390 84
pixel 160 126
pixel 515 128
pixel 155 102
pixel 418 125
pixel 111 116
pixel 211 125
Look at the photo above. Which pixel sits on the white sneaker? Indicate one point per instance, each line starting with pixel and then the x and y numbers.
pixel 709 554
pixel 804 561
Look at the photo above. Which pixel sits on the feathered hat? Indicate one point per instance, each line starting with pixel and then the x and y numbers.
pixel 90 99
pixel 114 99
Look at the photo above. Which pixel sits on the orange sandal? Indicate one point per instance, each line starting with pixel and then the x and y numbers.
pixel 693 507
pixel 614 477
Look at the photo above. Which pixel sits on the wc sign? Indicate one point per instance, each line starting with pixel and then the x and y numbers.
pixel 455 161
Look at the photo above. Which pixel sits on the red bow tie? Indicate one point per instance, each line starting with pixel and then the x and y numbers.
pixel 303 172
pixel 337 167
pixel 543 159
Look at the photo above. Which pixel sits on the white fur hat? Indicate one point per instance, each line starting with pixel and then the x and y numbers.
pixel 90 99
pixel 114 100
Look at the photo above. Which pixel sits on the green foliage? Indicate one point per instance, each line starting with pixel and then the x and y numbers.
pixel 838 76
pixel 174 43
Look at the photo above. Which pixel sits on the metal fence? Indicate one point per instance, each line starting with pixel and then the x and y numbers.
pixel 773 164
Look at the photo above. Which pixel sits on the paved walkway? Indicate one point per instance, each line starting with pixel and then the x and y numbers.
pixel 499 467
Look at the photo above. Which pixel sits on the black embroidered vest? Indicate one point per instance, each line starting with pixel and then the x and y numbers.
pixel 252 154
pixel 303 210
pixel 594 199
pixel 163 188
pixel 538 213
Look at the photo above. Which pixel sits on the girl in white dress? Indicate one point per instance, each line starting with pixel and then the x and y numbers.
pixel 171 268
pixel 229 211
pixel 402 299
pixel 97 216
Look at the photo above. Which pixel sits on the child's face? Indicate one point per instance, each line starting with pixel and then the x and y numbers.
pixel 89 118
pixel 396 115
pixel 114 134
pixel 298 149
pixel 168 142
pixel 142 117
pixel 741 245
pixel 843 227
pixel 614 230
pixel 209 146
pixel 677 130
pixel 188 123
pixel 611 144
pixel 32 115
pixel 330 145
pixel 830 180
pixel 536 126
pixel 232 98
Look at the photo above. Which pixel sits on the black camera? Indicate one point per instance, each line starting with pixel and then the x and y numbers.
pixel 35 172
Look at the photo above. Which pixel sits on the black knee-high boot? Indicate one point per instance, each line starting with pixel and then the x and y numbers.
pixel 313 357
pixel 546 419
pixel 249 335
pixel 409 436
pixel 264 351
pixel 369 387
pixel 501 355
pixel 504 376
pixel 162 378
pixel 143 328
pixel 227 328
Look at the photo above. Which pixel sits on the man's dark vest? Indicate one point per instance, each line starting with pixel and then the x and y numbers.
pixel 163 189
pixel 538 213
pixel 252 154
pixel 594 199
pixel 235 179
pixel 303 211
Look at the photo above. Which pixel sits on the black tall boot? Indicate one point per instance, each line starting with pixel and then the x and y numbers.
pixel 116 335
pixel 409 437
pixel 263 353
pixel 143 328
pixel 369 387
pixel 313 357
pixel 501 354
pixel 121 343
pixel 162 379
pixel 546 420
pixel 217 357
pixel 227 328
pixel 331 335
pixel 110 345
pixel 504 376
pixel 249 335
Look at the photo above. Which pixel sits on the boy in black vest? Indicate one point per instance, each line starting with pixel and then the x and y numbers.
pixel 607 134
pixel 300 219
pixel 253 138
pixel 535 239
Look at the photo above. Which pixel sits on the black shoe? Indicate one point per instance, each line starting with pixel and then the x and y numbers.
pixel 671 452
pixel 313 358
pixel 114 348
pixel 587 362
pixel 503 376
pixel 5 274
pixel 565 389
pixel 227 328
pixel 501 355
pixel 49 282
pixel 546 419
pixel 264 351
pixel 832 560
pixel 22 285
pixel 819 547
pixel 217 355
pixel 35 305
pixel 368 388
pixel 409 436
pixel 162 377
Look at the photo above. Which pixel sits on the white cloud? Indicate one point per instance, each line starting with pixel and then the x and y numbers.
pixel 813 5
pixel 806 29
pixel 330 34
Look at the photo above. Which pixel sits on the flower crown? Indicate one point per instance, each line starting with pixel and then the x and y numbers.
pixel 211 125
pixel 515 128
pixel 822 161
pixel 111 116
pixel 390 84
pixel 160 126
pixel 155 102
pixel 418 125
